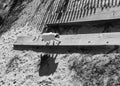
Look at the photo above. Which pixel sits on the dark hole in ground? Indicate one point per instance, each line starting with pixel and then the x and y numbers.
pixel 47 65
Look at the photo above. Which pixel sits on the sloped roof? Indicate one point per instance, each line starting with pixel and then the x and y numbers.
pixel 63 11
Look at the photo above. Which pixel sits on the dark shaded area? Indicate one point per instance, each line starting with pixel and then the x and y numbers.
pixel 13 64
pixel 1 20
pixel 59 15
pixel 107 26
pixel 65 5
pixel 17 3
pixel 69 49
pixel 11 15
pixel 2 82
pixel 13 5
pixel 92 22
pixel 102 25
pixel 62 8
pixel 47 65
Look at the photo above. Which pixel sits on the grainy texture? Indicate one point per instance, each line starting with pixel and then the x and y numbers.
pixel 89 67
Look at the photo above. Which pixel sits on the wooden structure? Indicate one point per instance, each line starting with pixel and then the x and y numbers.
pixel 79 11
pixel 74 11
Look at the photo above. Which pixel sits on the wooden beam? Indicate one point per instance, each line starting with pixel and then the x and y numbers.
pixel 75 40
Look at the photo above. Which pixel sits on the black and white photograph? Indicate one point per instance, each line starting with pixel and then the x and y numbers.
pixel 59 42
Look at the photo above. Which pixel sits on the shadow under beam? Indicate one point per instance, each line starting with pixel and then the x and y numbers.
pixel 69 49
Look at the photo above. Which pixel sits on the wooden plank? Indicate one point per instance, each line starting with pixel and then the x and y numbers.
pixel 99 4
pixel 54 10
pixel 71 10
pixel 96 3
pixel 62 17
pixel 114 3
pixel 111 1
pixel 80 5
pixel 74 11
pixel 65 16
pixel 78 10
pixel 67 12
pixel 76 40
pixel 77 14
pixel 119 3
pixel 86 8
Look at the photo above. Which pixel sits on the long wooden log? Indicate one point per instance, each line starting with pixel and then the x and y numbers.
pixel 75 40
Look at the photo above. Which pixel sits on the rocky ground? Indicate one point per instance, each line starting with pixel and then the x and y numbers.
pixel 30 68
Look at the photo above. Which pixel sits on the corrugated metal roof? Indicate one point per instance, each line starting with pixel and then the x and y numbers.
pixel 65 11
